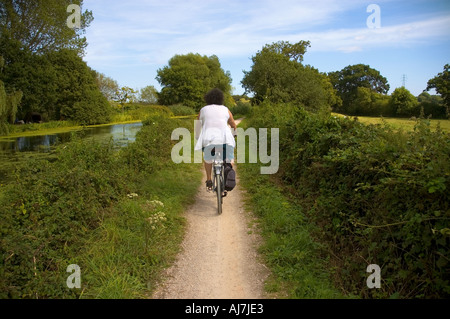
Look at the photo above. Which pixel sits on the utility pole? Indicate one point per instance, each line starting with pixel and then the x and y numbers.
pixel 404 80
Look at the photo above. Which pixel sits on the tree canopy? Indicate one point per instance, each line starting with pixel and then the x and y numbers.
pixel 277 75
pixel 108 86
pixel 52 83
pixel 441 83
pixel 149 95
pixel 41 25
pixel 9 103
pixel 348 80
pixel 187 78
pixel 403 102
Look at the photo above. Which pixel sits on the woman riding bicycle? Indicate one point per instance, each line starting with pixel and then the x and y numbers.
pixel 215 133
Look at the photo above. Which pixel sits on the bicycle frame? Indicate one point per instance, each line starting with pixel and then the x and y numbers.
pixel 218 179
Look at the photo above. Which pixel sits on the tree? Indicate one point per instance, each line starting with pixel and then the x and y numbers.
pixel 107 86
pixel 348 80
pixel 41 25
pixel 76 82
pixel 277 75
pixel 149 95
pixel 8 103
pixel 441 83
pixel 125 95
pixel 403 102
pixel 51 82
pixel 294 52
pixel 432 105
pixel 32 74
pixel 189 77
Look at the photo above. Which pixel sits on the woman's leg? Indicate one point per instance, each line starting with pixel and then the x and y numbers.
pixel 208 169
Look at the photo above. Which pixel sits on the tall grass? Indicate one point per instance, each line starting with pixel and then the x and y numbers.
pixel 296 261
pixel 98 208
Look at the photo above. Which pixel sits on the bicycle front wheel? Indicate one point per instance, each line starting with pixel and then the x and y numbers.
pixel 219 193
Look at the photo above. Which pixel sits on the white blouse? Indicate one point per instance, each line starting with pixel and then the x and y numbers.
pixel 214 124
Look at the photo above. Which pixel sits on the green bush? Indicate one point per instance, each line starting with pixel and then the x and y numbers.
pixel 48 210
pixel 181 110
pixel 379 197
pixel 241 109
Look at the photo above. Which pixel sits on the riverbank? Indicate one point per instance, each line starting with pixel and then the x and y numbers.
pixel 51 129
pixel 134 114
pixel 115 214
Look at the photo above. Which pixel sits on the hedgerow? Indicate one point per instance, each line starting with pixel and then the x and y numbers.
pixel 378 197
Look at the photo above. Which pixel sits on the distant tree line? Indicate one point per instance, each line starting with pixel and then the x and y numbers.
pixel 363 91
pixel 279 76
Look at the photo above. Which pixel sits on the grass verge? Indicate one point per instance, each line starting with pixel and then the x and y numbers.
pixel 140 237
pixel 298 267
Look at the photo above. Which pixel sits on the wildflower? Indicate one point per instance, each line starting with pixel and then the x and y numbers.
pixel 157 218
pixel 132 195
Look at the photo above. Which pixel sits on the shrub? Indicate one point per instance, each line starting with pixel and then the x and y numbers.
pixel 241 108
pixel 181 110
pixel 49 209
pixel 379 197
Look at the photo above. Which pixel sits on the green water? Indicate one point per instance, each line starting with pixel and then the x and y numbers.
pixel 21 149
pixel 122 134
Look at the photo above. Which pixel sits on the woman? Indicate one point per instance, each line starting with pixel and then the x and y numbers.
pixel 215 133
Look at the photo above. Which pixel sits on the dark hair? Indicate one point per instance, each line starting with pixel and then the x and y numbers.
pixel 215 96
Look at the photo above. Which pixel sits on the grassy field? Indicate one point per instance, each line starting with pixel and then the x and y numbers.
pixel 402 123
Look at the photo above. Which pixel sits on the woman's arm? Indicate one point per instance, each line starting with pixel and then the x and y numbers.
pixel 231 121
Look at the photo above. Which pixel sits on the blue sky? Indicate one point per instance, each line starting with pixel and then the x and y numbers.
pixel 130 40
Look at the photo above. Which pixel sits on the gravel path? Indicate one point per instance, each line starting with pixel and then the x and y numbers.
pixel 219 259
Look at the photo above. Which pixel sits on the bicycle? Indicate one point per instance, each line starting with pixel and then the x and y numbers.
pixel 219 179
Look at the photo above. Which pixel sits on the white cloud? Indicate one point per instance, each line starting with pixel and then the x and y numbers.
pixel 350 40
pixel 154 31
pixel 132 39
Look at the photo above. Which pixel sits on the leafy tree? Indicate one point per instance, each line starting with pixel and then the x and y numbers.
pixel 403 102
pixel 8 103
pixel 125 95
pixel 107 86
pixel 441 83
pixel 149 95
pixel 432 105
pixel 76 83
pixel 294 52
pixel 348 80
pixel 92 108
pixel 51 83
pixel 189 77
pixel 368 102
pixel 277 75
pixel 32 74
pixel 41 25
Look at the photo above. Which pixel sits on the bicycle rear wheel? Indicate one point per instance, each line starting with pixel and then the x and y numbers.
pixel 219 191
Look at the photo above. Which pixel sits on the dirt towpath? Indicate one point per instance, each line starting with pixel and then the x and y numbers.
pixel 219 258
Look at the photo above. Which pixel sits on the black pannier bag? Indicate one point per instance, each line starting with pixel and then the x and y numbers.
pixel 230 177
